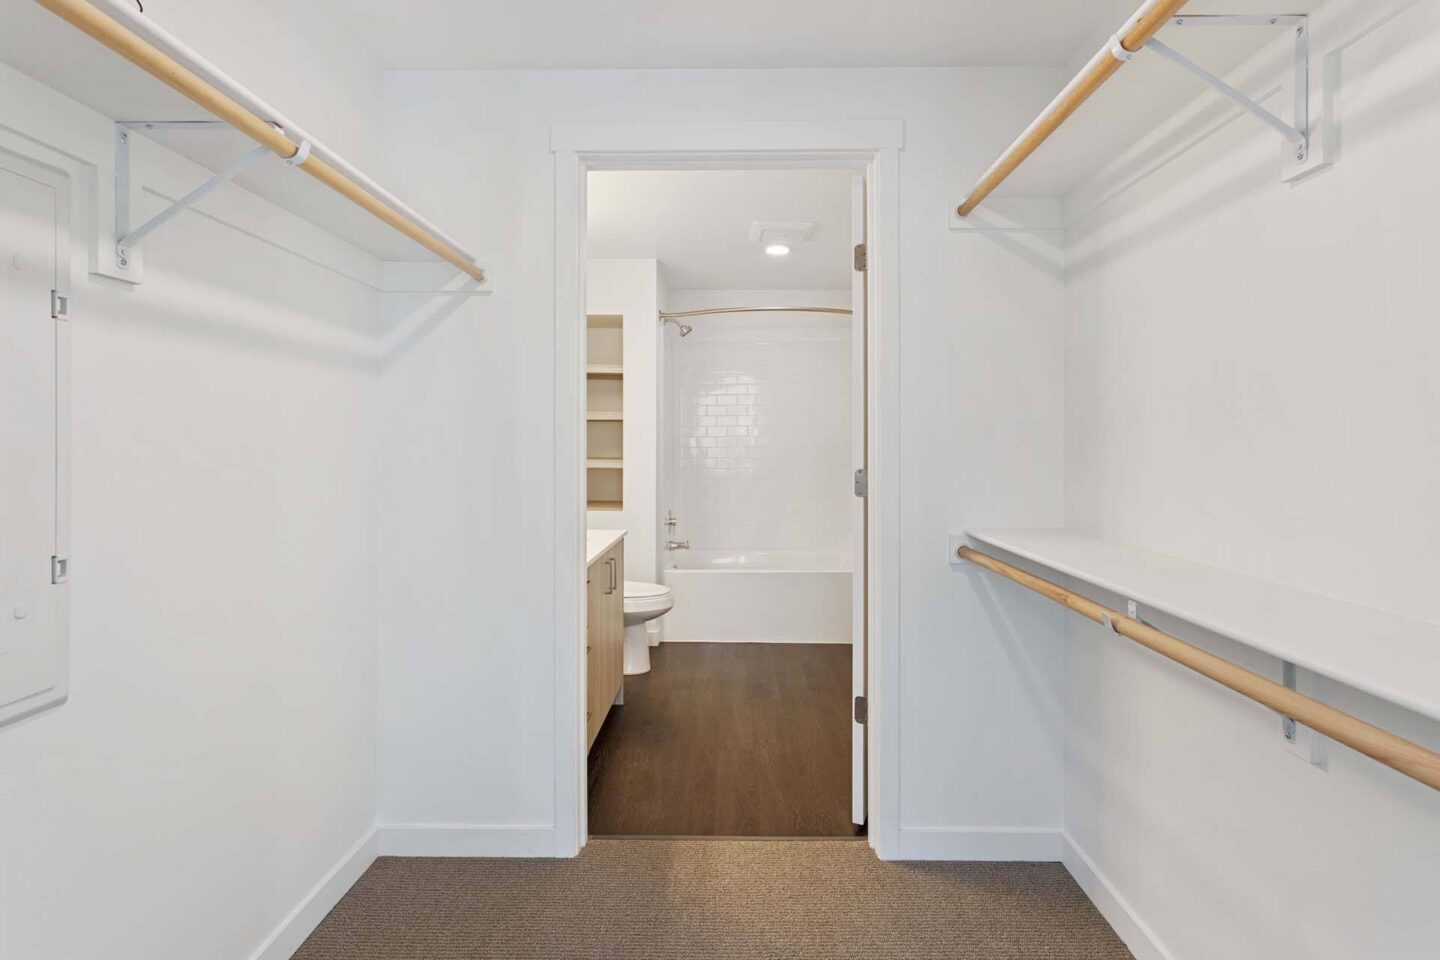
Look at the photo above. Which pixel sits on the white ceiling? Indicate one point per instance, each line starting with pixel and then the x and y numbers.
pixel 446 34
pixel 697 224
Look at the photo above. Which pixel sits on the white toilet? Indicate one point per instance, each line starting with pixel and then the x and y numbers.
pixel 643 603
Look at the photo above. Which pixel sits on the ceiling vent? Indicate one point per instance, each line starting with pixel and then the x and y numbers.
pixel 789 234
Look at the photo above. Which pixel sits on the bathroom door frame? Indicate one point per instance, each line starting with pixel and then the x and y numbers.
pixel 871 147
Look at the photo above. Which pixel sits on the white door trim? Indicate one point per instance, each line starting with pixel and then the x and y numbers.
pixel 872 146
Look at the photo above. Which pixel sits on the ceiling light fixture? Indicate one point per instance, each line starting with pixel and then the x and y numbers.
pixel 777 249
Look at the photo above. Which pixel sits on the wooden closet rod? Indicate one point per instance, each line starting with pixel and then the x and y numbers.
pixel 1135 33
pixel 1395 752
pixel 176 75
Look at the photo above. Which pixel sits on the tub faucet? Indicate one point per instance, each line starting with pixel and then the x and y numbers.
pixel 677 544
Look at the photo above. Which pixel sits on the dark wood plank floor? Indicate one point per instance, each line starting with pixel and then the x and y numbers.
pixel 728 740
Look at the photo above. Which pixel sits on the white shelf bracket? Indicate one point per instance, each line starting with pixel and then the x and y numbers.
pixel 129 238
pixel 1297 134
pixel 1299 739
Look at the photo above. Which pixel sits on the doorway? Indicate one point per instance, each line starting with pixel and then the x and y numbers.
pixel 730 733
pixel 724 396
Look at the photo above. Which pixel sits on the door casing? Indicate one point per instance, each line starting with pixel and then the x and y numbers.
pixel 868 147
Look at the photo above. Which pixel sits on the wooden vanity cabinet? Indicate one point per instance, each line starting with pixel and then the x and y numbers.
pixel 604 637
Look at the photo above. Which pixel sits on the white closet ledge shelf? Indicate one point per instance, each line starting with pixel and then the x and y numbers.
pixel 1393 657
pixel 348 203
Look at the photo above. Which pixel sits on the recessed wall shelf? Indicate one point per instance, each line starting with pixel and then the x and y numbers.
pixel 604 416
pixel 1393 657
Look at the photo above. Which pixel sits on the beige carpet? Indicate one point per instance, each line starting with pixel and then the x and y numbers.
pixel 733 899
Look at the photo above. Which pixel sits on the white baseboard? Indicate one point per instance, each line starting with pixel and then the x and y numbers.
pixel 980 843
pixel 306 916
pixel 806 640
pixel 465 840
pixel 1112 906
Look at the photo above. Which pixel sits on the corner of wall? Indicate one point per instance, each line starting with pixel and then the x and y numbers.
pixel 302 921
pixel 1112 905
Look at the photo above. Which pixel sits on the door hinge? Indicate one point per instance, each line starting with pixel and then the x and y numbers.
pixel 59 306
pixel 862 260
pixel 59 569
pixel 862 483
pixel 862 710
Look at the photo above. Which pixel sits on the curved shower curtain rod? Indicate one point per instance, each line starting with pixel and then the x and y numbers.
pixel 664 315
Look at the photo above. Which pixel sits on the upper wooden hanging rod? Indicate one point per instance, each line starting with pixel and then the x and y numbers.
pixel 1395 752
pixel 328 169
pixel 1135 33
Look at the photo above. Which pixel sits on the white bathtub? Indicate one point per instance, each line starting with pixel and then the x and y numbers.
pixel 758 597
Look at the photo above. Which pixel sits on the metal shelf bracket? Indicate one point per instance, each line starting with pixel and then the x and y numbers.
pixel 129 238
pixel 1297 134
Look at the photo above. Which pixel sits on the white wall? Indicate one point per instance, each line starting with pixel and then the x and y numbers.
pixel 631 289
pixel 1251 384
pixel 761 431
pixel 469 677
pixel 216 758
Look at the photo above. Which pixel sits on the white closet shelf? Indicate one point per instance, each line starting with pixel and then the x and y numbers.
pixel 604 415
pixel 1393 657
pixel 119 89
pixel 604 463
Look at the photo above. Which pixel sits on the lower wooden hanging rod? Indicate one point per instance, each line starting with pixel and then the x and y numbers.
pixel 1395 752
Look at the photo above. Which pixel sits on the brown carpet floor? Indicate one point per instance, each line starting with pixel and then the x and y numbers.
pixel 725 899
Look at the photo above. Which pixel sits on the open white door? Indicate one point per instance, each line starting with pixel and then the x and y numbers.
pixel 33 564
pixel 858 352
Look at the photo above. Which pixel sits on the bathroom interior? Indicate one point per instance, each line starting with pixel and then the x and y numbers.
pixel 722 441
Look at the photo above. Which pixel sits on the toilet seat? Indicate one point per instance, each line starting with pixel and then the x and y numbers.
pixel 640 590
pixel 646 601
pixel 643 603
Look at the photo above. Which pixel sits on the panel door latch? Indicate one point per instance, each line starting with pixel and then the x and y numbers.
pixel 59 569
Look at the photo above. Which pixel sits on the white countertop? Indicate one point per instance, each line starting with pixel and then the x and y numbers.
pixel 1391 656
pixel 598 541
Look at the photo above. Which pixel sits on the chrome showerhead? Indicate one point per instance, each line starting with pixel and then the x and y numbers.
pixel 684 328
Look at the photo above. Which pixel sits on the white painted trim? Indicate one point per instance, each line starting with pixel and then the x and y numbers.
pixel 466 840
pixel 871 145
pixel 883 475
pixel 570 741
pixel 1112 906
pixel 809 641
pixel 302 921
pixel 1027 844
pixel 728 139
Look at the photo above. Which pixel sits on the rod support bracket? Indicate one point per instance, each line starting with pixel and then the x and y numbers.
pixel 301 155
pixel 1296 132
pixel 128 238
pixel 1118 50
pixel 1299 739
